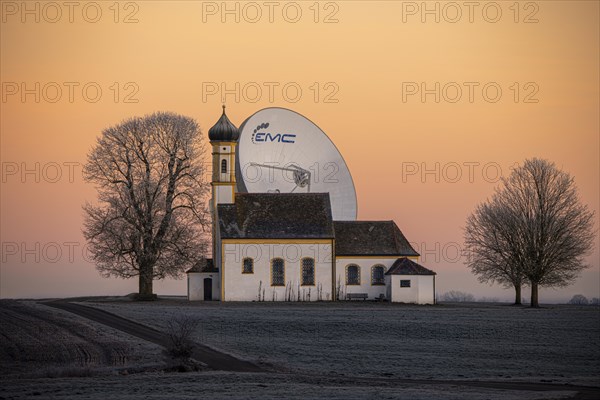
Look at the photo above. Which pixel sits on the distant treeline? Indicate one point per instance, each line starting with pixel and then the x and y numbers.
pixel 456 296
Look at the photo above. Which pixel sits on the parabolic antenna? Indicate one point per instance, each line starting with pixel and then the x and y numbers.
pixel 281 151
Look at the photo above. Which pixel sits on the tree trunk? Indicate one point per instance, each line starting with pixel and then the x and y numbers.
pixel 534 295
pixel 517 295
pixel 145 284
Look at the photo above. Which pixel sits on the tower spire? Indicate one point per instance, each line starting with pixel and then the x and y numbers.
pixel 223 130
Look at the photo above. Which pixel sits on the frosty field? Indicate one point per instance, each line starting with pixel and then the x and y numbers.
pixel 38 341
pixel 558 343
pixel 319 350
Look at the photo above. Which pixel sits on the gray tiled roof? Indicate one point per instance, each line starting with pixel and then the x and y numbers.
pixel 377 238
pixel 277 216
pixel 203 265
pixel 405 266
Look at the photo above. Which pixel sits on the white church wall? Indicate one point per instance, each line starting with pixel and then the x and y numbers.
pixel 426 289
pixel 388 287
pixel 223 151
pixel 419 292
pixel 196 285
pixel 195 289
pixel 365 264
pixel 224 193
pixel 238 286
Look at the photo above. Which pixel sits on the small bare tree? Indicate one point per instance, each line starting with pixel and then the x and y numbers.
pixel 151 217
pixel 339 290
pixel 534 226
pixel 259 290
pixel 180 331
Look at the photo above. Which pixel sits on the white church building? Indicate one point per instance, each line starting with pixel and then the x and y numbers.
pixel 288 247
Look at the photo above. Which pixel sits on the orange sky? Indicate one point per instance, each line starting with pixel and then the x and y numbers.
pixel 365 59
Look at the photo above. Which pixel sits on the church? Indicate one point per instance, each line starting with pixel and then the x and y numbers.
pixel 275 246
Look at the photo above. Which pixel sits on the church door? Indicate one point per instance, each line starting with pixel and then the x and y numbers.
pixel 207 288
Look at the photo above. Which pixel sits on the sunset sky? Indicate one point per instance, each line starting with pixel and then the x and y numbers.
pixel 427 106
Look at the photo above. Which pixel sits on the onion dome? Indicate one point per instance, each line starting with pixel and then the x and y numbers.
pixel 223 130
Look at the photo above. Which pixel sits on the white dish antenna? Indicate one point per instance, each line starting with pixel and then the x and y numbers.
pixel 281 151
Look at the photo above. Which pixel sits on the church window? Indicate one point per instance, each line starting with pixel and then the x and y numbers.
pixel 308 271
pixel 248 266
pixel 223 166
pixel 352 274
pixel 405 283
pixel 277 272
pixel 377 275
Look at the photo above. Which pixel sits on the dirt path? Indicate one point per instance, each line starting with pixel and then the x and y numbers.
pixel 212 358
pixel 221 361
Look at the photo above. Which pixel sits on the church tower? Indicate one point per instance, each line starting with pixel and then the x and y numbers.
pixel 223 137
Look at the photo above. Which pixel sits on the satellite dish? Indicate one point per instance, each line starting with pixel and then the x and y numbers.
pixel 281 151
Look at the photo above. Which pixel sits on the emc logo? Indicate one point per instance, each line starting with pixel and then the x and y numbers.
pixel 262 137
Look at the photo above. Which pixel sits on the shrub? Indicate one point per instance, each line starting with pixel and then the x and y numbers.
pixel 180 329
pixel 457 296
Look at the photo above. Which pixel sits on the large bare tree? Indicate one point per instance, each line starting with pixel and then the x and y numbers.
pixel 534 228
pixel 151 217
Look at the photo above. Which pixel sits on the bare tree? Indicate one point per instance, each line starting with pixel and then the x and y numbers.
pixel 539 228
pixel 492 247
pixel 151 217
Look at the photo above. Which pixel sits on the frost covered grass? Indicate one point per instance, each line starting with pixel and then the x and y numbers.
pixel 322 350
pixel 39 341
pixel 223 385
pixel 559 344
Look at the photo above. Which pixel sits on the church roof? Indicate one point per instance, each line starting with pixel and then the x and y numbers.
pixel 223 130
pixel 277 216
pixel 370 238
pixel 203 265
pixel 405 266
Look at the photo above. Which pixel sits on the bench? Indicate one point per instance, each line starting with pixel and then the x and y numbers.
pixel 350 296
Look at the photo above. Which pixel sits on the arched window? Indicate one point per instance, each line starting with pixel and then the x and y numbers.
pixel 247 266
pixel 352 274
pixel 308 271
pixel 277 272
pixel 223 166
pixel 377 275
